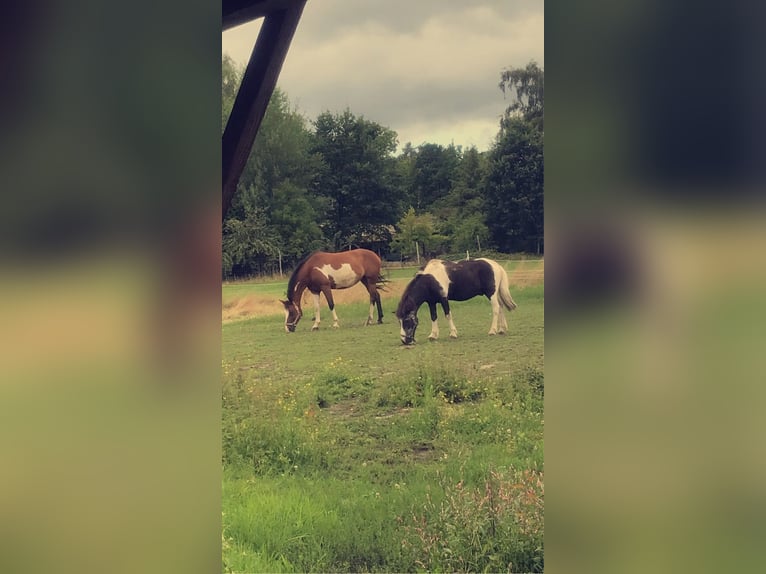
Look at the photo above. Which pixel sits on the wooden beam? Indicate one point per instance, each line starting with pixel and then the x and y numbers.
pixel 236 12
pixel 254 93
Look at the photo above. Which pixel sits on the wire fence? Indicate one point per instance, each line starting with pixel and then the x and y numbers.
pixel 271 273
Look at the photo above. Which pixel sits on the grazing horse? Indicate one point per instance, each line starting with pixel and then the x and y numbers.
pixel 321 272
pixel 441 281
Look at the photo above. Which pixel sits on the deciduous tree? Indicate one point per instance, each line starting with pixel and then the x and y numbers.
pixel 358 176
pixel 514 188
pixel 527 87
pixel 514 185
pixel 420 229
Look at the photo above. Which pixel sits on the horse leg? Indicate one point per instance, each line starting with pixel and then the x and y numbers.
pixel 371 290
pixel 372 306
pixel 448 316
pixel 503 326
pixel 315 326
pixel 380 308
pixel 331 304
pixel 495 314
pixel 374 299
pixel 434 325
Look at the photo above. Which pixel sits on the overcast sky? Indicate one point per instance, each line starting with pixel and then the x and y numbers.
pixel 428 69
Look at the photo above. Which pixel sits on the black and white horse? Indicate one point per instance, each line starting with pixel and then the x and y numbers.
pixel 443 281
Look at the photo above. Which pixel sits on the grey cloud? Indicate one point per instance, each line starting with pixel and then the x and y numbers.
pixel 401 104
pixel 325 18
pixel 406 63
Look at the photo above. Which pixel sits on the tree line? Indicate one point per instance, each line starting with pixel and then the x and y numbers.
pixel 337 182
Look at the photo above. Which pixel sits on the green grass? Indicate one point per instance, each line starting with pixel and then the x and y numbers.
pixel 345 451
pixel 241 288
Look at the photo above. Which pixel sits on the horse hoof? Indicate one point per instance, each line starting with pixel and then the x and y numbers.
pixel 336 326
pixel 315 327
pixel 432 338
pixel 453 335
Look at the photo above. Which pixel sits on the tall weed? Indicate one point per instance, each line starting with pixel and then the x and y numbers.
pixel 497 527
pixel 269 433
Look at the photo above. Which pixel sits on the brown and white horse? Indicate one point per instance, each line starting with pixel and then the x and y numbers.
pixel 321 272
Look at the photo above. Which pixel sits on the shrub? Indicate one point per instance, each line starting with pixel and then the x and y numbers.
pixel 334 385
pixel 534 379
pixel 430 382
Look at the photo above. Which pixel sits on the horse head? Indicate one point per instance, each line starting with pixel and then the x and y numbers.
pixel 293 314
pixel 408 321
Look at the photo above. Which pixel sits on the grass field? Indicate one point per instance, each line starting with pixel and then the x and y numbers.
pixel 345 451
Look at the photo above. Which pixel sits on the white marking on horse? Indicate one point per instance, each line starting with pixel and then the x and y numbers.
pixel 342 278
pixel 499 324
pixel 452 328
pixel 317 320
pixel 436 269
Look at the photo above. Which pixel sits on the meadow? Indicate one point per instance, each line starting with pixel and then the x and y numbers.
pixel 345 451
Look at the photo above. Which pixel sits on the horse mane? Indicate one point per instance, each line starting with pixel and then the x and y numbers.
pixel 294 277
pixel 406 296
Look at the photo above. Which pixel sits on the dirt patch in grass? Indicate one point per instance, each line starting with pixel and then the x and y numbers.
pixel 250 306
pixel 255 305
pixel 527 274
pixel 423 452
pixel 344 409
pixel 393 413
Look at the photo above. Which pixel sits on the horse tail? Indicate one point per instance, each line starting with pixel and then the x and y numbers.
pixel 381 282
pixel 503 291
